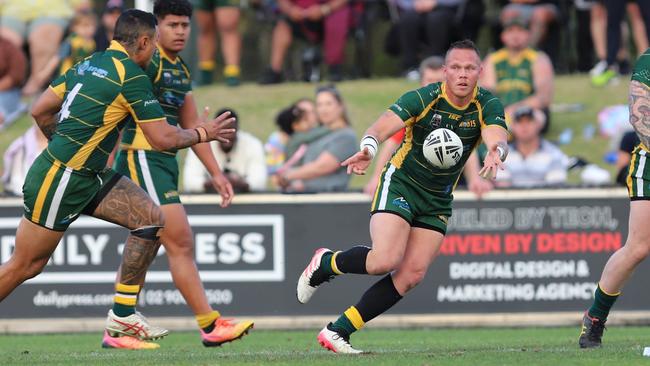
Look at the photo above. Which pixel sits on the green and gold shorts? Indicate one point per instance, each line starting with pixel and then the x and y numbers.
pixel 638 177
pixel 55 195
pixel 398 194
pixel 209 5
pixel 155 172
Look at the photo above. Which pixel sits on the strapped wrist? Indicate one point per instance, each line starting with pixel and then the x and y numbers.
pixel 203 133
pixel 370 142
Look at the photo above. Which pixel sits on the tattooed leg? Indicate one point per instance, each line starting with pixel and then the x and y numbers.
pixel 640 111
pixel 130 206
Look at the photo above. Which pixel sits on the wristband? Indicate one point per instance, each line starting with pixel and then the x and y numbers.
pixel 203 134
pixel 371 143
pixel 198 134
pixel 503 152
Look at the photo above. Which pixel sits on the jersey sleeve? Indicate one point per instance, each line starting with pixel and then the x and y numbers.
pixel 153 70
pixel 492 113
pixel 58 86
pixel 142 104
pixel 409 106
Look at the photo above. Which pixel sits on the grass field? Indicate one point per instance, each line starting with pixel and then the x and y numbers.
pixel 541 346
pixel 367 99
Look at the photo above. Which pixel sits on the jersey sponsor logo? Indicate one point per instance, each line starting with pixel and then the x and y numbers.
pixel 436 120
pixel 454 116
pixel 68 218
pixel 467 124
pixel 94 70
pixel 151 101
pixel 167 77
pixel 170 194
pixel 396 106
pixel 401 203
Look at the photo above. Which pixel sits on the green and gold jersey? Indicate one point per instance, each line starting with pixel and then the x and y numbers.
pixel 514 75
pixel 171 83
pixel 74 49
pixel 641 72
pixel 98 94
pixel 428 108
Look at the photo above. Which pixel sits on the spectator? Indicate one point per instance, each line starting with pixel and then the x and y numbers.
pixel 320 169
pixel 431 21
pixel 41 23
pixel 12 74
pixel 611 13
pixel 540 14
pixel 19 157
pixel 297 118
pixel 104 33
pixel 629 142
pixel 222 16
pixel 241 159
pixel 316 21
pixel 517 74
pixel 532 161
pixel 76 47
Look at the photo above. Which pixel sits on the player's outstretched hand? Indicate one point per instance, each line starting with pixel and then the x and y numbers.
pixel 219 128
pixel 491 165
pixel 222 185
pixel 359 162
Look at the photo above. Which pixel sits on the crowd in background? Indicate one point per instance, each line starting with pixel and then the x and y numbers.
pixel 41 39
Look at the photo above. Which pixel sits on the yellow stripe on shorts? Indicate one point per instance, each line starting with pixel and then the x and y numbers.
pixel 42 193
pixel 133 172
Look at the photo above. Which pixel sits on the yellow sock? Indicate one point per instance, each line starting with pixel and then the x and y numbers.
pixel 125 299
pixel 231 71
pixel 206 65
pixel 205 320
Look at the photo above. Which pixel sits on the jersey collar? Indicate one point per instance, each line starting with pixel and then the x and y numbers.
pixel 458 107
pixel 116 46
pixel 164 55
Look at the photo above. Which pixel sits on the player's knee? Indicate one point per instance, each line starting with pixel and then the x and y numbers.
pixel 380 266
pixel 147 232
pixel 639 252
pixel 181 246
pixel 34 268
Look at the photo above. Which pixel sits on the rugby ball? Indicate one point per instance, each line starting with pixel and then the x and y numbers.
pixel 443 148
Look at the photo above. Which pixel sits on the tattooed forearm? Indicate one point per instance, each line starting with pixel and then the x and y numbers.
pixel 48 126
pixel 640 110
pixel 138 255
pixel 186 138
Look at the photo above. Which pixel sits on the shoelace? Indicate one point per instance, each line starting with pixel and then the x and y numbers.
pixel 224 322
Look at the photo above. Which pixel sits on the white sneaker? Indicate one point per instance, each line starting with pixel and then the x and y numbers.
pixel 305 288
pixel 598 68
pixel 134 325
pixel 335 342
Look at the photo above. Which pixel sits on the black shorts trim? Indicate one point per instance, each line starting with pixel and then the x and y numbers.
pixel 92 205
pixel 391 212
pixel 429 227
pixel 639 198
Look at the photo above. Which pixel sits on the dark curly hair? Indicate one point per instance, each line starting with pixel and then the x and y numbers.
pixel 162 8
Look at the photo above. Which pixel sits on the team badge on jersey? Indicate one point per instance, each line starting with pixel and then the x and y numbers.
pixel 436 120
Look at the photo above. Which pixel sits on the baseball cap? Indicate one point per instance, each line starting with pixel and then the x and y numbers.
pixel 114 5
pixel 522 112
pixel 516 20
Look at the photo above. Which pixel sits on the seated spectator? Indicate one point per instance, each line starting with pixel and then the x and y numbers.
pixel 76 47
pixel 19 157
pixel 540 14
pixel 316 21
pixel 532 161
pixel 12 74
pixel 320 167
pixel 41 23
pixel 517 74
pixel 241 159
pixel 104 33
pixel 431 21
pixel 222 16
pixel 629 142
pixel 297 118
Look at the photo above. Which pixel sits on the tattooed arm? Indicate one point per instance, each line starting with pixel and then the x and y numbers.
pixel 45 111
pixel 640 110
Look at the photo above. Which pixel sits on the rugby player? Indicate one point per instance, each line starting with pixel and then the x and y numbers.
pixel 413 199
pixel 139 161
pixel 622 263
pixel 81 114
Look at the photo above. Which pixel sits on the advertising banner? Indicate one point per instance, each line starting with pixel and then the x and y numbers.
pixel 527 253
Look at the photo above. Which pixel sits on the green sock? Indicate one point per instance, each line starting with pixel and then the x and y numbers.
pixel 344 324
pixel 125 299
pixel 603 302
pixel 326 264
